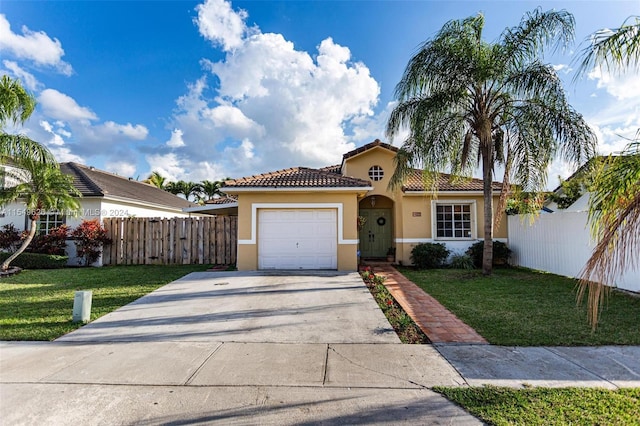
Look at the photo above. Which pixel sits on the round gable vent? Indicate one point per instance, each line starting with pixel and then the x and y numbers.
pixel 376 173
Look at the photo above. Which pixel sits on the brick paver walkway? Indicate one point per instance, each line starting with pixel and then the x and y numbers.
pixel 437 322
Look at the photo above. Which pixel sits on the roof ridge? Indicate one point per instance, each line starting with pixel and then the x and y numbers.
pixel 370 145
pixel 265 174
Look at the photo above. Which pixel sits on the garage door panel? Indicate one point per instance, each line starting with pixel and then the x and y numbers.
pixel 297 239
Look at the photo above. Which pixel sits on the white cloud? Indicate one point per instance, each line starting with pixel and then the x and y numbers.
pixel 110 129
pixel 30 82
pixel 56 137
pixel 63 154
pixel 220 24
pixel 168 165
pixel 121 168
pixel 275 106
pixel 63 107
pixel 622 87
pixel 34 46
pixel 175 167
pixel 562 68
pixel 176 140
pixel 233 120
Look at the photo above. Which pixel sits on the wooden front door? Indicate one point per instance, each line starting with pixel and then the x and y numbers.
pixel 375 236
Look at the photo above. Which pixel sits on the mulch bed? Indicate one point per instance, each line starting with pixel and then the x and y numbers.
pixel 405 328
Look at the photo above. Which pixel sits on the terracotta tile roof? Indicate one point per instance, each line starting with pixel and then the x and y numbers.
pixel 368 146
pixel 297 177
pixel 222 200
pixel 415 182
pixel 92 182
pixel 336 168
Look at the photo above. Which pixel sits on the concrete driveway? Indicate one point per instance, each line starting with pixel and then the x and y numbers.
pixel 232 348
pixel 318 307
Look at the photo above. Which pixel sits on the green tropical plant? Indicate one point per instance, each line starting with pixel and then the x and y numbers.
pixel 212 189
pixel 461 261
pixel 470 103
pixel 614 204
pixel 192 189
pixel 16 106
pixel 42 188
pixel 501 253
pixel 176 188
pixel 615 49
pixel 156 179
pixel 429 255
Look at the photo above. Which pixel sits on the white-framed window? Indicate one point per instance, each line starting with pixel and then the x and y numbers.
pixel 49 221
pixel 454 219
pixel 376 173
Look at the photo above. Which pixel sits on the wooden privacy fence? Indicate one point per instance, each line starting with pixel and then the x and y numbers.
pixel 156 241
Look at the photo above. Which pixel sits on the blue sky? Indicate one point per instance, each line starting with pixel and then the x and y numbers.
pixel 204 90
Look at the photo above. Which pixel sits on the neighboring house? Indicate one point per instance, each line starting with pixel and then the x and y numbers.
pixel 103 195
pixel 303 218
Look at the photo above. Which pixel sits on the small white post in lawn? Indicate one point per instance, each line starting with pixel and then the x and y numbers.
pixel 82 306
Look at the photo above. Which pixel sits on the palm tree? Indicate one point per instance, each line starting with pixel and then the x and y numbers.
pixel 42 187
pixel 176 188
pixel 467 102
pixel 187 189
pixel 16 106
pixel 192 188
pixel 156 179
pixel 212 188
pixel 614 204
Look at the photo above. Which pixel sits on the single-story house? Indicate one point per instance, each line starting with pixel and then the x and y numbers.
pixel 304 218
pixel 104 195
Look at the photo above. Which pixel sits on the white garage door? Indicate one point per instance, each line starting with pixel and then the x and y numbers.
pixel 297 239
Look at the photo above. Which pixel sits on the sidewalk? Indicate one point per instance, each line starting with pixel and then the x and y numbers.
pixel 482 364
pixel 149 364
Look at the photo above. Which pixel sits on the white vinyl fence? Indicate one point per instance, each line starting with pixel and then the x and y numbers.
pixel 559 243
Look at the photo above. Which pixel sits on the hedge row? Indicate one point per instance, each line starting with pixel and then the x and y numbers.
pixel 37 261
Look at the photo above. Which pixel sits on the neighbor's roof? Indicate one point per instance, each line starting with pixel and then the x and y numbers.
pixel 228 199
pixel 297 177
pixel 92 182
pixel 416 182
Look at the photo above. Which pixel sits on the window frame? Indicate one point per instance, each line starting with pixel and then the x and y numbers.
pixel 47 222
pixel 472 220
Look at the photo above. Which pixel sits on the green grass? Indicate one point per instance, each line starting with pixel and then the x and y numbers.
pixel 545 406
pixel 527 308
pixel 38 304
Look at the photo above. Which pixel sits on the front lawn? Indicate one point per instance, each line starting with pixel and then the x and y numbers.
pixel 545 406
pixel 519 307
pixel 38 304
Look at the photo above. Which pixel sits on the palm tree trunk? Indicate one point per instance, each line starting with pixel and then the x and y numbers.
pixel 487 189
pixel 25 244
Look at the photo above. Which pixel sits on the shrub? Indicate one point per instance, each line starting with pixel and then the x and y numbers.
pixel 501 253
pixel 429 255
pixel 461 261
pixel 37 260
pixel 55 242
pixel 89 237
pixel 9 238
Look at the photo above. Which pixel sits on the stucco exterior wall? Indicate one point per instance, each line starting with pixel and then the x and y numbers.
pixel 250 203
pixel 418 225
pixel 412 213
